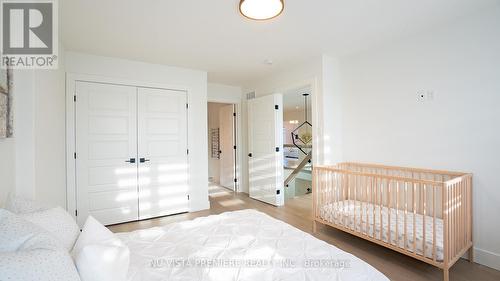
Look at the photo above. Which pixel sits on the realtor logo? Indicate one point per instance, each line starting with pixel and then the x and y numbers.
pixel 29 34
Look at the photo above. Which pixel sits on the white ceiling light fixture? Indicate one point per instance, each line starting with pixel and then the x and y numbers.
pixel 261 9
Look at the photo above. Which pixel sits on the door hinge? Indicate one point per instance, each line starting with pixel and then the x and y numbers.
pixel 74 155
pixel 278 192
pixel 234 114
pixel 187 105
pixel 276 107
pixel 187 151
pixel 277 149
pixel 188 197
pixel 235 180
pixel 74 98
pixel 76 213
pixel 234 147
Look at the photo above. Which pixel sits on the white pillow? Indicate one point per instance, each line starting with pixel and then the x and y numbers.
pixel 28 252
pixel 20 205
pixel 37 264
pixel 99 255
pixel 57 222
pixel 17 234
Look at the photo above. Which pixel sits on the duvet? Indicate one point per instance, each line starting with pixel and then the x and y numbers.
pixel 242 245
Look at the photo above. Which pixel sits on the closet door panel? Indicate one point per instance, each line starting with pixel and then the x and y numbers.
pixel 106 137
pixel 162 145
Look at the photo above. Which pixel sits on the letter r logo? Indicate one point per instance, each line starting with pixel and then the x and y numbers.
pixel 27 28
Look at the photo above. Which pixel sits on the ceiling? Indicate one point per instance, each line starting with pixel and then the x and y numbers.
pixel 210 35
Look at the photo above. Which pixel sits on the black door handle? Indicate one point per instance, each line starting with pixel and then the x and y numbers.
pixel 142 160
pixel 132 160
pixel 249 154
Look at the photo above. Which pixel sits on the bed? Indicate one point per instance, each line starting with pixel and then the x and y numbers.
pixel 240 245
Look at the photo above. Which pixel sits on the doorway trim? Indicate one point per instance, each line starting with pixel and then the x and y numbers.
pixel 238 162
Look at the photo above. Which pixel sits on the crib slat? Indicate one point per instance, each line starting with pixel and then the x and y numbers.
pixel 364 192
pixel 373 205
pixel 355 201
pixel 454 230
pixel 455 221
pixel 389 208
pixel 397 214
pixel 367 225
pixel 338 183
pixel 424 241
pixel 323 187
pixel 457 218
pixel 381 226
pixel 450 226
pixel 344 179
pixel 434 223
pixel 460 216
pixel 329 189
pixel 414 201
pixel 406 214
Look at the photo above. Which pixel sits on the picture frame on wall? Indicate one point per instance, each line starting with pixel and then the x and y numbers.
pixel 6 118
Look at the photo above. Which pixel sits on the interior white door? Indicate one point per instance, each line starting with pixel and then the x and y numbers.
pixel 162 151
pixel 227 155
pixel 106 138
pixel 265 146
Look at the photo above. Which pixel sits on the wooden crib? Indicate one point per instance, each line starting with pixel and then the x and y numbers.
pixel 425 214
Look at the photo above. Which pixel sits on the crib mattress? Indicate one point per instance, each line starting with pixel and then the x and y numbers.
pixel 350 212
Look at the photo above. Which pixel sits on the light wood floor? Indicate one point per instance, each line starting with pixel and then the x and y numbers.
pixel 298 212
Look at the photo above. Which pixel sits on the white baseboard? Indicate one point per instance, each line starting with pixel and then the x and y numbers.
pixel 487 258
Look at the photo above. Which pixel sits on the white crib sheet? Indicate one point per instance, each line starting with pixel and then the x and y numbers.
pixel 342 213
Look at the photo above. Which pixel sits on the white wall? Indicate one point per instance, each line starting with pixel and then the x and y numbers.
pixel 193 80
pixel 16 177
pixel 458 130
pixel 33 160
pixel 223 93
pixel 7 168
pixel 49 132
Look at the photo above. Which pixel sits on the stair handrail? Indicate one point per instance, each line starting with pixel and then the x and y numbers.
pixel 301 166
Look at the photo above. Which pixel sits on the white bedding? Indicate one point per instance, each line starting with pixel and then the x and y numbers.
pixel 343 213
pixel 188 251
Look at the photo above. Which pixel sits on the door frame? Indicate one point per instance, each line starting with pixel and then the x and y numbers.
pixel 239 159
pixel 71 80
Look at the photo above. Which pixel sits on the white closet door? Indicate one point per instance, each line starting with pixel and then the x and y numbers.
pixel 226 125
pixel 106 137
pixel 162 151
pixel 265 145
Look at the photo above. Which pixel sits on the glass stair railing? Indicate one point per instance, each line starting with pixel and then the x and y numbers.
pixel 298 171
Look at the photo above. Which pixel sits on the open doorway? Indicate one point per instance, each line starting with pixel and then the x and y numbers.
pixel 297 143
pixel 222 146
